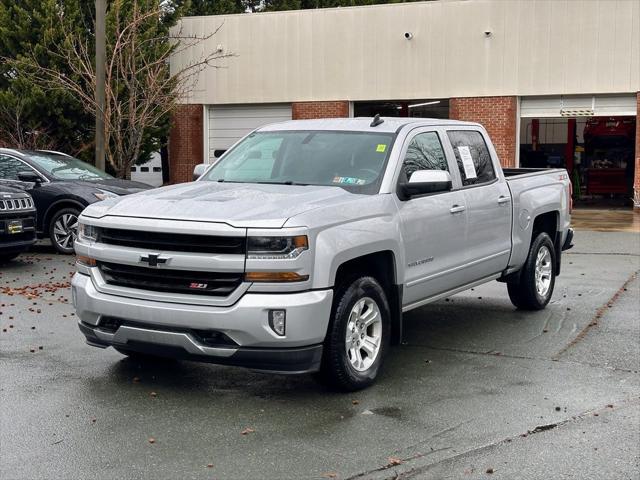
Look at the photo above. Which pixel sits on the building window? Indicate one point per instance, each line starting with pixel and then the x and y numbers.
pixel 403 108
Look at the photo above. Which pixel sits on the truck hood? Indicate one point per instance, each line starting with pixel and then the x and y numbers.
pixel 115 185
pixel 241 205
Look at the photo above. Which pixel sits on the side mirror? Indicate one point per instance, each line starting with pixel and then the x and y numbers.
pixel 426 181
pixel 28 176
pixel 199 170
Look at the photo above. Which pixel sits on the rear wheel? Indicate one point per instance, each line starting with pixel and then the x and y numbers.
pixel 537 278
pixel 358 335
pixel 63 229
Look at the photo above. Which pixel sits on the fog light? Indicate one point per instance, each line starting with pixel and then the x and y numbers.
pixel 277 321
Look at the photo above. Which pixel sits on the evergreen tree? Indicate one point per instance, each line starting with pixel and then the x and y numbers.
pixel 29 116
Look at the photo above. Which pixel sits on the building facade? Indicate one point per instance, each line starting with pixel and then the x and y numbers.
pixel 522 68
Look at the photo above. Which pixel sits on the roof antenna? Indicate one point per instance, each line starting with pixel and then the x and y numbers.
pixel 376 121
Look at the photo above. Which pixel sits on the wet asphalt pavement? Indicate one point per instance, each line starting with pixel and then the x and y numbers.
pixel 478 390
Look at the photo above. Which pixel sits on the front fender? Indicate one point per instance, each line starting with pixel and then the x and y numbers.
pixel 341 243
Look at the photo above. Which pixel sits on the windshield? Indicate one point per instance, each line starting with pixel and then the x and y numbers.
pixel 67 168
pixel 351 160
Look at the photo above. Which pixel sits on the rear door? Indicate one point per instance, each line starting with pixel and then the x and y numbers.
pixel 433 226
pixel 488 202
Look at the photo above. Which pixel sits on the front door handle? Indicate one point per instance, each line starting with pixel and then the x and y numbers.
pixel 457 209
pixel 502 199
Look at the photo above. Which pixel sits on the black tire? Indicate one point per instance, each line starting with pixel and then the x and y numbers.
pixel 7 257
pixel 524 293
pixel 337 369
pixel 63 243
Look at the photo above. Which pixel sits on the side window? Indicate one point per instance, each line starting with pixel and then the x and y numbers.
pixel 424 153
pixel 472 156
pixel 9 167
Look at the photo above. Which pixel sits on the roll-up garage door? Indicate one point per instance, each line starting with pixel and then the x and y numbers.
pixel 578 106
pixel 229 123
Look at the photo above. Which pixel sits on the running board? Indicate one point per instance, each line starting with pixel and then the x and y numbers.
pixel 448 293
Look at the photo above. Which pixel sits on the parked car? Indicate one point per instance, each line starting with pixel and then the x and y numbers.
pixel 17 222
pixel 302 246
pixel 61 187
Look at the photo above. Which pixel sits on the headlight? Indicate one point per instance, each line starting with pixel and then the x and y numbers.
pixel 87 233
pixel 276 248
pixel 103 195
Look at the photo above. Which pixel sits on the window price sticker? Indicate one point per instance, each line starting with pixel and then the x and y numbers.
pixel 467 162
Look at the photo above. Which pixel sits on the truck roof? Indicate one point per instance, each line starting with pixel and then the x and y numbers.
pixel 390 124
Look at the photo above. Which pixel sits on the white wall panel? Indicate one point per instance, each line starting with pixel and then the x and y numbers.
pixel 536 47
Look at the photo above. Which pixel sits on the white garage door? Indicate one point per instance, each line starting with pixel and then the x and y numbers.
pixel 578 106
pixel 229 123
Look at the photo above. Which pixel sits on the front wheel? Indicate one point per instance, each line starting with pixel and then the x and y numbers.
pixel 63 229
pixel 358 335
pixel 537 279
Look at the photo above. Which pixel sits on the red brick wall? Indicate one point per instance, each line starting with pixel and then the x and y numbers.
pixel 185 142
pixel 498 115
pixel 305 110
pixel 636 183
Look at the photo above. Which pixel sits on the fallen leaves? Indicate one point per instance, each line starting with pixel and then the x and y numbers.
pixel 35 291
pixel 247 431
pixel 393 461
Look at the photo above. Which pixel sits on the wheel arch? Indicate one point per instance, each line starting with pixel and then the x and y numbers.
pixel 381 265
pixel 549 223
pixel 56 207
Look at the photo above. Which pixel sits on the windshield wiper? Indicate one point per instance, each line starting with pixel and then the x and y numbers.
pixel 286 182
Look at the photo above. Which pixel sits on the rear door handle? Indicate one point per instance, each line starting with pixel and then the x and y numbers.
pixel 502 199
pixel 457 209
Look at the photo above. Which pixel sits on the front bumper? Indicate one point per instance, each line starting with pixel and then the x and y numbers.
pixel 167 328
pixel 17 242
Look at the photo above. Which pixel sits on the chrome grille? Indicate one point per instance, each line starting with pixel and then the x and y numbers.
pixel 13 204
pixel 172 281
pixel 173 242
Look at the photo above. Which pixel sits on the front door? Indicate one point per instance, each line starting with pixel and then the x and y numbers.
pixel 433 226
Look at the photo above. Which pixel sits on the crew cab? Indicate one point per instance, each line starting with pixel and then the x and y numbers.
pixel 301 247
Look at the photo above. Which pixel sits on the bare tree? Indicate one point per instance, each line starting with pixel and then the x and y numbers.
pixel 16 132
pixel 141 90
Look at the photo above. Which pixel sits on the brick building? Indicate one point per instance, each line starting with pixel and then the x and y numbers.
pixel 554 82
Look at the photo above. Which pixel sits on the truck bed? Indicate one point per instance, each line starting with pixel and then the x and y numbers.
pixel 510 173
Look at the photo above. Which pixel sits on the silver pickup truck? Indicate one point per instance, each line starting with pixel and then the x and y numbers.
pixel 301 247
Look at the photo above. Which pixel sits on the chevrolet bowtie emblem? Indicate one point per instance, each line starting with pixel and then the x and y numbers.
pixel 153 259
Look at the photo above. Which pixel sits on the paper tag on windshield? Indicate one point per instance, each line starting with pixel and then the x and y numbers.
pixel 467 162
